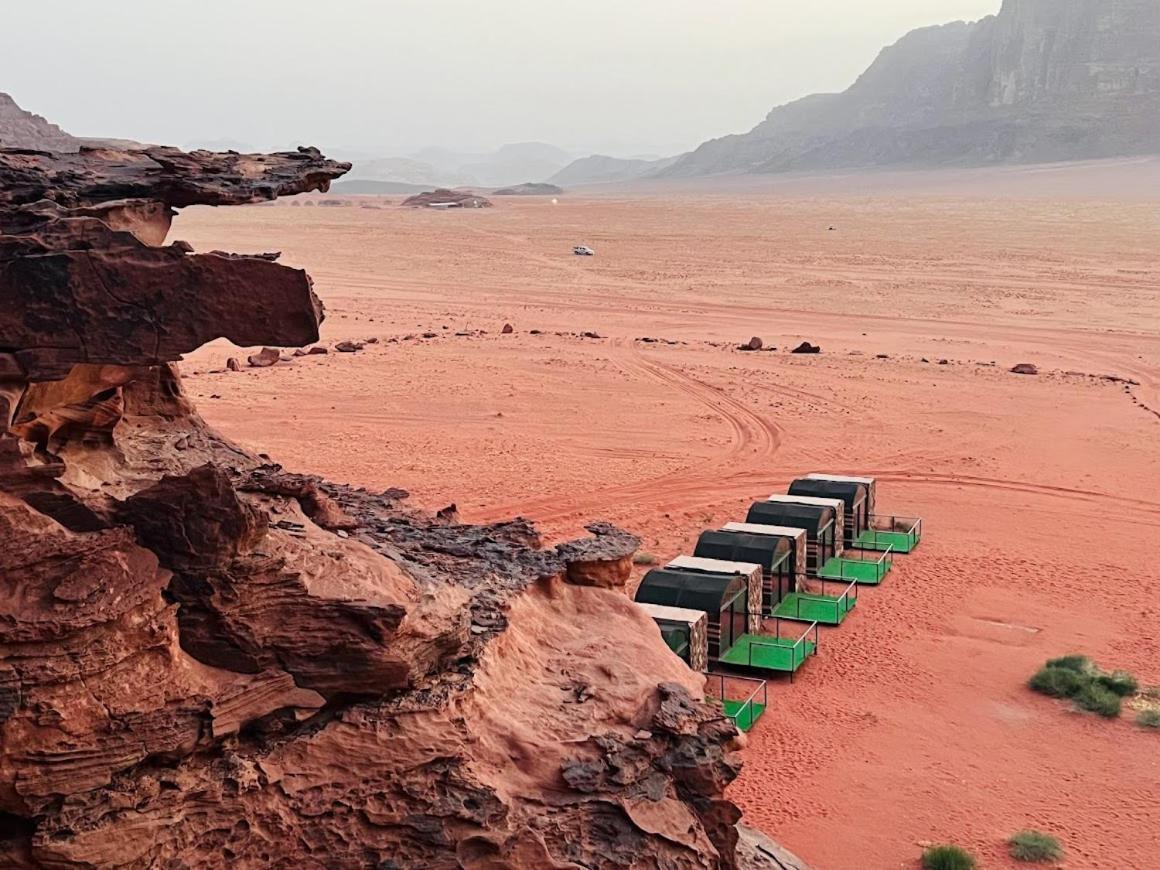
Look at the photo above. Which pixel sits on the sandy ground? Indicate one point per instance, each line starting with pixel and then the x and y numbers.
pixel 1041 494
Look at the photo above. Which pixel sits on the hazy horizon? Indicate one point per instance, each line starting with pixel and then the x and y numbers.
pixel 657 78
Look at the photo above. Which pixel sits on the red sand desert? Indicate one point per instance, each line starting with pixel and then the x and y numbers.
pixel 1041 494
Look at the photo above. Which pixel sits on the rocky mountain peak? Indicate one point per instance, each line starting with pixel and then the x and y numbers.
pixel 21 129
pixel 1043 80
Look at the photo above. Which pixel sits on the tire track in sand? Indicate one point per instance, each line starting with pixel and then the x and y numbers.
pixel 753 440
pixel 902 476
pixel 744 465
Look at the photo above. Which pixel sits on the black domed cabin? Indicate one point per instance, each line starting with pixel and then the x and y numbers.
pixel 724 598
pixel 795 537
pixel 754 577
pixel 774 554
pixel 900 534
pixel 819 522
pixel 854 497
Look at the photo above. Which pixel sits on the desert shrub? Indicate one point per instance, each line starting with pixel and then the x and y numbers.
pixel 1097 699
pixel 1148 719
pixel 1057 682
pixel 644 559
pixel 1075 662
pixel 947 858
pixel 1120 682
pixel 1035 846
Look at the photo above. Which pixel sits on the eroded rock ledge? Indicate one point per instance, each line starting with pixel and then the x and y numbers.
pixel 206 660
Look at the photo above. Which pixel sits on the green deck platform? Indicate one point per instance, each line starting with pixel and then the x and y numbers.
pixel 900 542
pixel 823 609
pixel 862 570
pixel 743 713
pixel 768 653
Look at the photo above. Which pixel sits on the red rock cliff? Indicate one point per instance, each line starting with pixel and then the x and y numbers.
pixel 207 661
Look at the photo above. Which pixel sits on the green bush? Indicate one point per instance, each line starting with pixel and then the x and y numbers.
pixel 1096 699
pixel 1057 682
pixel 1035 846
pixel 947 858
pixel 1120 682
pixel 1148 718
pixel 642 558
pixel 1075 662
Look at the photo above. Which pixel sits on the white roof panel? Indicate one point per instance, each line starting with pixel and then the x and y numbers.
pixel 672 614
pixel 762 529
pixel 715 566
pixel 835 503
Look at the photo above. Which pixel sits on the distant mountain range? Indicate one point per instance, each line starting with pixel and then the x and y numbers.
pixel 1041 81
pixel 1044 80
pixel 509 165
pixel 599 169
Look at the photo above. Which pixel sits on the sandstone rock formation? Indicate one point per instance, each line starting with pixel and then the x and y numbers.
pixel 207 661
pixel 443 198
pixel 1044 80
pixel 264 358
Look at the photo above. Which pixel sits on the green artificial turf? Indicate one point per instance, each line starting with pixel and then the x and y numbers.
pixel 809 607
pixel 900 542
pixel 742 713
pixel 860 570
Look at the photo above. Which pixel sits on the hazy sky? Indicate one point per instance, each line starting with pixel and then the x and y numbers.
pixel 615 76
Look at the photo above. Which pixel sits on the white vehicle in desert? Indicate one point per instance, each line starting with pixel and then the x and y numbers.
pixel 583 251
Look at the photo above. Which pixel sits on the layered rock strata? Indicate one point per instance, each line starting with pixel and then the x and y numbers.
pixel 206 660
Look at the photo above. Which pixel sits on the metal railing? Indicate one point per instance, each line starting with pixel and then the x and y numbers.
pixel 799 644
pixel 882 560
pixel 843 603
pixel 748 711
pixel 890 524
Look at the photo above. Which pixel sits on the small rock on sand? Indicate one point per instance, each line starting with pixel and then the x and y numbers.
pixel 1025 369
pixel 233 365
pixel 318 348
pixel 508 329
pixel 348 346
pixel 754 343
pixel 806 347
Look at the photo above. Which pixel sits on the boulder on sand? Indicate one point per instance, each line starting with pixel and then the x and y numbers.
pixel 267 356
pixel 806 347
pixel 443 198
pixel 754 343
